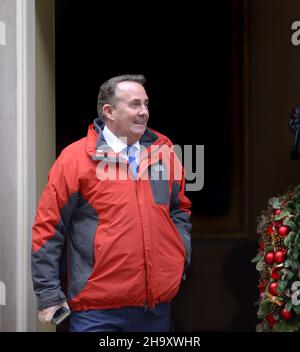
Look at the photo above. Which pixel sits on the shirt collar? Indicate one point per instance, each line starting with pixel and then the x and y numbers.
pixel 115 142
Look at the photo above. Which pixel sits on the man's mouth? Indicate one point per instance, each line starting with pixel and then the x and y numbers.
pixel 139 122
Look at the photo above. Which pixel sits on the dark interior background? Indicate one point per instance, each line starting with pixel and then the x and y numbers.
pixel 185 54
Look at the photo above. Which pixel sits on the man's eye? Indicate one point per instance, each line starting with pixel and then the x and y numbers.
pixel 138 104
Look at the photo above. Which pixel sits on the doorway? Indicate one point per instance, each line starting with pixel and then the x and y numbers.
pixel 185 54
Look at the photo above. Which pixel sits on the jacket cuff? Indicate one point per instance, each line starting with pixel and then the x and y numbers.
pixel 51 299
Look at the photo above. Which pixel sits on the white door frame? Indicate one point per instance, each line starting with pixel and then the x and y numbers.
pixel 26 178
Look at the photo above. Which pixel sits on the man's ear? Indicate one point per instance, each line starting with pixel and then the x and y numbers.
pixel 108 111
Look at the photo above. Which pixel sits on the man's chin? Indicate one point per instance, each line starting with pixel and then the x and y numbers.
pixel 135 135
pixel 138 131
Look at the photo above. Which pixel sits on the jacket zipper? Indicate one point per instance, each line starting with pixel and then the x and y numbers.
pixel 146 280
pixel 146 305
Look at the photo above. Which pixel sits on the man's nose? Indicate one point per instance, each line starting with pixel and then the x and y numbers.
pixel 143 110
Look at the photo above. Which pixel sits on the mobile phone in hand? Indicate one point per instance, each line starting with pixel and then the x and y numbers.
pixel 60 314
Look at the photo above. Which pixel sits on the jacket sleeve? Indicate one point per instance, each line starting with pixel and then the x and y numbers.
pixel 180 210
pixel 49 230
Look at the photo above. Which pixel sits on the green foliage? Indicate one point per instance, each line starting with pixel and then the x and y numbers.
pixel 292 325
pixel 275 203
pixel 264 309
pixel 257 258
pixel 289 305
pixel 282 285
pixel 297 309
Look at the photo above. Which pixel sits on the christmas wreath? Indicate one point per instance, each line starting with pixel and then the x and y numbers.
pixel 278 263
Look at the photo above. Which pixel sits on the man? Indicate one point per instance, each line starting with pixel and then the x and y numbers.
pixel 294 125
pixel 117 199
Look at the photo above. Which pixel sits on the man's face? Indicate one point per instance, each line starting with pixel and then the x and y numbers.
pixel 130 114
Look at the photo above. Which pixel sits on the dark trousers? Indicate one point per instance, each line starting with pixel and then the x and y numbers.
pixel 125 319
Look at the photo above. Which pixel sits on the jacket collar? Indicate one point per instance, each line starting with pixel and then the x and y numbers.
pixel 98 149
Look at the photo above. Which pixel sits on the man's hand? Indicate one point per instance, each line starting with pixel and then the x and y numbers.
pixel 46 314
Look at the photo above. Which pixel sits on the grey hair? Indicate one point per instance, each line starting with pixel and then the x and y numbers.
pixel 107 91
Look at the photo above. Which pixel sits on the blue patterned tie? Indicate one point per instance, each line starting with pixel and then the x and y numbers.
pixel 133 166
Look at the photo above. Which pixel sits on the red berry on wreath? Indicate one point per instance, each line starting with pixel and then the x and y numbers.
pixel 274 274
pixel 269 258
pixel 261 289
pixel 270 230
pixel 279 256
pixel 283 231
pixel 262 246
pixel 277 225
pixel 262 286
pixel 286 314
pixel 273 288
pixel 277 211
pixel 271 320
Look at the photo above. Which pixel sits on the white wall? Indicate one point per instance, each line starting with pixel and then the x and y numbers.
pixel 8 155
pixel 17 151
pixel 27 146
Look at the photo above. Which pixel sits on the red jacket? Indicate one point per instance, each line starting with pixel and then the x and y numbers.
pixel 127 240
